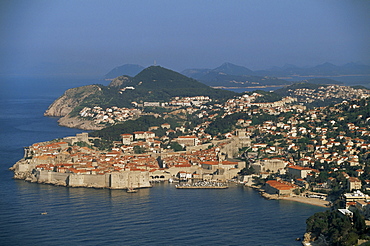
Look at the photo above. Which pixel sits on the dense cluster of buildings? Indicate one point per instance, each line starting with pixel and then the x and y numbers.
pixel 112 115
pixel 328 92
pixel 246 103
pixel 314 151
pixel 73 162
pixel 109 115
pixel 296 150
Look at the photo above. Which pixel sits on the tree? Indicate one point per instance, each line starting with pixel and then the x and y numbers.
pixel 103 144
pixel 318 223
pixel 139 149
pixel 83 144
pixel 337 228
pixel 359 222
pixel 176 146
pixel 323 176
pixel 350 239
pixel 247 171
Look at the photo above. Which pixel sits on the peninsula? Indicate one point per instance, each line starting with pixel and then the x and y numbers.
pixel 306 142
pixel 126 98
pixel 73 162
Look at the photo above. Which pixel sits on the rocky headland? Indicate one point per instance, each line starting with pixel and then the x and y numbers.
pixel 125 94
pixel 64 105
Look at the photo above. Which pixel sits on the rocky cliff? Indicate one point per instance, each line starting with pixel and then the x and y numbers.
pixel 70 99
pixel 64 105
pixel 119 81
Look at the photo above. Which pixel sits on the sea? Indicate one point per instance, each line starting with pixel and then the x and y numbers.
pixel 39 214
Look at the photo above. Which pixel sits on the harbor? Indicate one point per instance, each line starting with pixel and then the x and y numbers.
pixel 203 185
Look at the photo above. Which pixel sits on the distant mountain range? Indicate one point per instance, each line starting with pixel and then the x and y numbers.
pixel 325 69
pixel 231 75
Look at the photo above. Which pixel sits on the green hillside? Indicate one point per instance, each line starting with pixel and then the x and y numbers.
pixel 156 77
pixel 154 83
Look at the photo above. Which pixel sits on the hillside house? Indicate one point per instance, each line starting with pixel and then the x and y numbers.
pixel 166 126
pixel 354 183
pixel 187 141
pixel 127 138
pixel 299 172
pixel 144 135
pixel 280 188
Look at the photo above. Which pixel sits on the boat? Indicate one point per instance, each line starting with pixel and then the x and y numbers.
pixel 202 185
pixel 131 190
pixel 43 213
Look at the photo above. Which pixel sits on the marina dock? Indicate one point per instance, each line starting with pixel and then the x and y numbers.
pixel 202 185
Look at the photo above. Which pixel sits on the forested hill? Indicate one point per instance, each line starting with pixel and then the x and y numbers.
pixel 153 84
pixel 156 77
pixel 156 83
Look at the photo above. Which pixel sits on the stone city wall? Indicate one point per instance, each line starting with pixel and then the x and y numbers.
pixel 118 180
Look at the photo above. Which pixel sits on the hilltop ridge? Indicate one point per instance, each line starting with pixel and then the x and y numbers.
pixel 154 84
pixel 325 69
pixel 156 77
pixel 127 69
pixel 232 75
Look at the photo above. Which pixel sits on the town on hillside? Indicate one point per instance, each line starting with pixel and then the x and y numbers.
pixel 281 147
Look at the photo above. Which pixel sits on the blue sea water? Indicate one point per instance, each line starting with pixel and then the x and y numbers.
pixel 161 215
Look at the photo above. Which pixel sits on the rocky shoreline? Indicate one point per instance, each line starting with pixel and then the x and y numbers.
pixel 66 103
pixel 79 123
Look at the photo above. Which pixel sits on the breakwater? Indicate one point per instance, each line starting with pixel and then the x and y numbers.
pixel 202 185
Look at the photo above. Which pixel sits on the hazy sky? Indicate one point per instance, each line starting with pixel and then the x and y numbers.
pixel 91 37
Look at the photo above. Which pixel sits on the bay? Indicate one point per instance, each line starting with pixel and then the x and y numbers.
pixel 161 215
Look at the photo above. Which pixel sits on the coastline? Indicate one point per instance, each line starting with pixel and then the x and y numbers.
pixel 306 200
pixel 300 199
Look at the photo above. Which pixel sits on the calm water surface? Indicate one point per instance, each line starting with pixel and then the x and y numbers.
pixel 161 215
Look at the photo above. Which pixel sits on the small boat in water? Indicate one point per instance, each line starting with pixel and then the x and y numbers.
pixel 44 213
pixel 131 190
